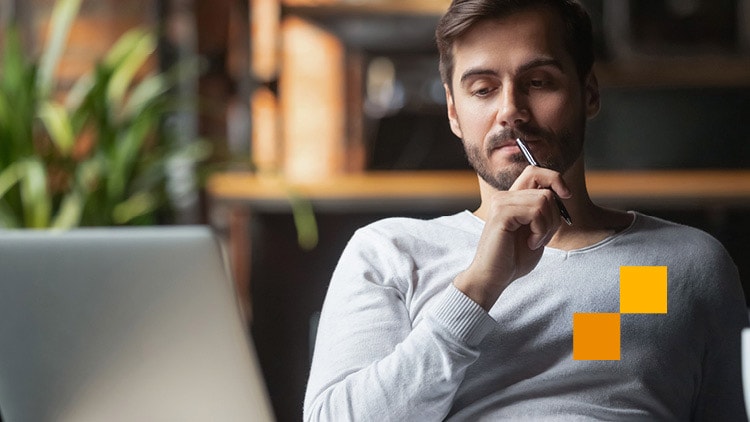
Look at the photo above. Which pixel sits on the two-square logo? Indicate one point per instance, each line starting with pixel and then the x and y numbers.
pixel 643 290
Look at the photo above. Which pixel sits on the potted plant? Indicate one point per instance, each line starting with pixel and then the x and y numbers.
pixel 97 157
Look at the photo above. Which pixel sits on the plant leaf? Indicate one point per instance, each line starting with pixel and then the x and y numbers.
pixel 135 206
pixel 63 15
pixel 8 219
pixel 71 209
pixel 137 45
pixel 18 89
pixel 89 173
pixel 14 63
pixel 4 108
pixel 304 221
pixel 9 177
pixel 122 48
pixel 79 91
pixel 37 203
pixel 143 94
pixel 57 121
pixel 126 153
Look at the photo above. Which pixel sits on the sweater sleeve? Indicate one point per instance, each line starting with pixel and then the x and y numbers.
pixel 723 308
pixel 370 362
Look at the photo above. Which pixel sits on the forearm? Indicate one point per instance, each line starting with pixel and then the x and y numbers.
pixel 354 379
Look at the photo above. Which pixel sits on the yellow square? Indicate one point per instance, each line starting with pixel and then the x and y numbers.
pixel 643 290
pixel 596 336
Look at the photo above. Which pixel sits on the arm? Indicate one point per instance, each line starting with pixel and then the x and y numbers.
pixel 723 306
pixel 370 363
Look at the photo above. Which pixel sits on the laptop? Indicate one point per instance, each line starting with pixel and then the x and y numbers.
pixel 123 324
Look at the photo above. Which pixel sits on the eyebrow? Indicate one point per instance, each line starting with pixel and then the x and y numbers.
pixel 540 62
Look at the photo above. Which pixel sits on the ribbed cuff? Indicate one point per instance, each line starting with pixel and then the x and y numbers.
pixel 462 317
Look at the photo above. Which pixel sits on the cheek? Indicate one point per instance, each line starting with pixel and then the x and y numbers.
pixel 555 108
pixel 474 118
pixel 559 115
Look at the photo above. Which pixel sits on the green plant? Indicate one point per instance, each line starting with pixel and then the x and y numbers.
pixel 100 156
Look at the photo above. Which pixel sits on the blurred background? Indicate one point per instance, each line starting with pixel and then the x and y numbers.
pixel 250 115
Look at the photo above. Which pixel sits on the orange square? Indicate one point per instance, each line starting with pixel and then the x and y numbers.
pixel 643 290
pixel 596 336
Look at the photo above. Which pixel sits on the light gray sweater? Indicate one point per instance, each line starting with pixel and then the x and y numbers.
pixel 398 342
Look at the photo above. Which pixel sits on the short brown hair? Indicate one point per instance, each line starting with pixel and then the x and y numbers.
pixel 462 15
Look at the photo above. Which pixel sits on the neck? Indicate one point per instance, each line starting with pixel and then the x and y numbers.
pixel 591 223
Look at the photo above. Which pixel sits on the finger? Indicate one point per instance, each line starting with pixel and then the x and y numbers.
pixel 534 209
pixel 537 177
pixel 543 219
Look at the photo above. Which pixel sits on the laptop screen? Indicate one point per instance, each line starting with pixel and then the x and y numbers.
pixel 123 324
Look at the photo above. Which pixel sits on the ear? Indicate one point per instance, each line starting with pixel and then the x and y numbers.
pixel 452 115
pixel 592 96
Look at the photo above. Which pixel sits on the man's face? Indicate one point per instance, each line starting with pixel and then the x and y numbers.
pixel 514 78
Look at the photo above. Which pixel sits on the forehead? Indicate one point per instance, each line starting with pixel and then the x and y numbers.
pixel 510 41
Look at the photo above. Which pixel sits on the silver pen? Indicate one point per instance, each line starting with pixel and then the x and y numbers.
pixel 530 158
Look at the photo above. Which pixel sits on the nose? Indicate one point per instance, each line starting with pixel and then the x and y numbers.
pixel 512 108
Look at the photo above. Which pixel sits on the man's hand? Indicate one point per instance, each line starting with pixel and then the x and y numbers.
pixel 519 223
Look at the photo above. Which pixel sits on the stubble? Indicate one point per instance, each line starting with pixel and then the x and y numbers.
pixel 570 147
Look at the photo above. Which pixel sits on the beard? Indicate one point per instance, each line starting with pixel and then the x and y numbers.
pixel 569 145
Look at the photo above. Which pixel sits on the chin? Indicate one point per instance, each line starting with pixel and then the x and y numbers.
pixel 503 179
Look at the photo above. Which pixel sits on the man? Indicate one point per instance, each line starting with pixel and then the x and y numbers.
pixel 469 316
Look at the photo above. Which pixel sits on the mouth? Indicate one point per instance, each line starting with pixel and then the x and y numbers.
pixel 509 146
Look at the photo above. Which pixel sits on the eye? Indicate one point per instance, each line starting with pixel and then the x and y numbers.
pixel 482 92
pixel 537 83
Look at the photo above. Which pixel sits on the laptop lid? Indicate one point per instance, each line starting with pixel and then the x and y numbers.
pixel 123 324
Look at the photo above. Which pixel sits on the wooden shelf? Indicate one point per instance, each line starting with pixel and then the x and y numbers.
pixel 386 7
pixel 671 188
pixel 703 71
pixel 420 190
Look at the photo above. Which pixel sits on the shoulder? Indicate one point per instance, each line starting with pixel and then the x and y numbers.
pixel 391 250
pixel 698 264
pixel 690 253
pixel 402 229
pixel 408 241
pixel 676 237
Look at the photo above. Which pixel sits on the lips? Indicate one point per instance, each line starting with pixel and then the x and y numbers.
pixel 508 143
pixel 501 144
pixel 506 138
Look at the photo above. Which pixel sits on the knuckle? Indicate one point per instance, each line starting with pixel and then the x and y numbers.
pixel 538 214
pixel 544 198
